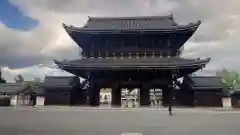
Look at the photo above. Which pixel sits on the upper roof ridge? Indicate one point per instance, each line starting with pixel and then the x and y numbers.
pixel 165 23
pixel 131 17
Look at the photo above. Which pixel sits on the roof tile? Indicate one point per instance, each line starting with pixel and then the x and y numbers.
pixel 126 62
pixel 132 23
pixel 207 81
pixel 11 88
pixel 59 81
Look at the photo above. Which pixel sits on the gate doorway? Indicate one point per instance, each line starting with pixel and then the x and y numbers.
pixel 105 97
pixel 130 97
pixel 156 97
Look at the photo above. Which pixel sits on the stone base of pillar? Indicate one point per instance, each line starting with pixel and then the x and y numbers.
pixel 144 96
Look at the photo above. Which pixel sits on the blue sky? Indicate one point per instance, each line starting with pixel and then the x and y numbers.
pixel 13 17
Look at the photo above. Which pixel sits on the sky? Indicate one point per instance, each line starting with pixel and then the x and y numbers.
pixel 14 18
pixel 31 34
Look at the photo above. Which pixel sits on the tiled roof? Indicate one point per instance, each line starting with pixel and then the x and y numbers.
pixel 133 62
pixel 11 88
pixel 59 81
pixel 132 23
pixel 206 81
pixel 38 91
pixel 181 66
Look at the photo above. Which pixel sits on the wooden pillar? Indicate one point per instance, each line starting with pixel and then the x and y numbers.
pixel 116 96
pixel 144 95
pixel 171 94
pixel 78 97
pixel 165 95
pixel 94 95
pixel 167 90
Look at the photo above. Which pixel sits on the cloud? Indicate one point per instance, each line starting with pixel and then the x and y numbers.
pixel 217 37
pixel 42 44
pixel 101 7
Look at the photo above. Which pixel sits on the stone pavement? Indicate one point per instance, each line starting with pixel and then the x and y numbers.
pixel 77 121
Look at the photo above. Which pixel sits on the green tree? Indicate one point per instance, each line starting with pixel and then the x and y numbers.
pixel 230 79
pixel 30 86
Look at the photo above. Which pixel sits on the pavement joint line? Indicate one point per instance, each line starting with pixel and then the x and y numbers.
pixel 227 112
pixel 179 110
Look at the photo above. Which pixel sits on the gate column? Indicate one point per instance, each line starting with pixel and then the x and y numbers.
pixel 144 95
pixel 94 95
pixel 116 95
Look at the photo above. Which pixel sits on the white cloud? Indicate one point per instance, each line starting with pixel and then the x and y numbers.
pixel 217 37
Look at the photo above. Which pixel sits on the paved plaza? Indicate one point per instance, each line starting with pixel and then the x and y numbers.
pixel 95 121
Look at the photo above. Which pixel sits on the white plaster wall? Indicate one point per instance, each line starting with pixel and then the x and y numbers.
pixel 227 102
pixel 40 101
pixel 14 100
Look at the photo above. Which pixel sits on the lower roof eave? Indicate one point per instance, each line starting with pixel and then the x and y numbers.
pixel 130 67
pixel 9 93
pixel 84 71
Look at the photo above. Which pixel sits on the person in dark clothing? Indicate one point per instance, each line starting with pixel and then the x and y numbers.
pixel 170 109
pixel 33 99
pixel 170 103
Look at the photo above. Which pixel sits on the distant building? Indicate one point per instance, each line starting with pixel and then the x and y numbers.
pixel 204 90
pixel 19 95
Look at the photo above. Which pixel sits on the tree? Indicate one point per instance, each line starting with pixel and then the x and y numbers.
pixel 230 79
pixel 19 78
pixel 30 86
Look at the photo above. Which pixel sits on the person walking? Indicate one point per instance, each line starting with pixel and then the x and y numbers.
pixel 33 99
pixel 170 109
pixel 170 103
